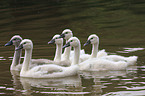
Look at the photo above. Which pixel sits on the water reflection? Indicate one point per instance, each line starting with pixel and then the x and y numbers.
pixel 103 80
pixel 67 85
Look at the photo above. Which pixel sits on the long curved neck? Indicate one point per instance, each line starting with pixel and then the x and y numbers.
pixel 27 59
pixel 58 52
pixel 94 50
pixel 67 52
pixel 76 55
pixel 16 58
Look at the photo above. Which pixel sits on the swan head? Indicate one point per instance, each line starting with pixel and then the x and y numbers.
pixel 15 40
pixel 92 39
pixel 25 44
pixel 66 34
pixel 73 42
pixel 56 40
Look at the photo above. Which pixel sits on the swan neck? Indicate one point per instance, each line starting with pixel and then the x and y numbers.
pixel 94 50
pixel 16 58
pixel 27 59
pixel 76 55
pixel 58 52
pixel 67 52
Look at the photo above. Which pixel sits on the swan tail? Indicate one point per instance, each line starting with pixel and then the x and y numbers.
pixel 132 60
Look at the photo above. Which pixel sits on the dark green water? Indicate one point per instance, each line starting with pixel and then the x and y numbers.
pixel 120 24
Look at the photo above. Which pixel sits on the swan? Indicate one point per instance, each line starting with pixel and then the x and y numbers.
pixel 51 70
pixel 58 54
pixel 93 63
pixel 15 40
pixel 93 39
pixel 67 55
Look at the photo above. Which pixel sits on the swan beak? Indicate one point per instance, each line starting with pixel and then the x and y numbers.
pixel 9 43
pixel 20 47
pixel 66 45
pixel 52 41
pixel 62 36
pixel 88 42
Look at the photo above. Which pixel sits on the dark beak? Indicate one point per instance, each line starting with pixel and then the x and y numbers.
pixel 52 41
pixel 88 42
pixel 20 47
pixel 9 43
pixel 62 36
pixel 66 45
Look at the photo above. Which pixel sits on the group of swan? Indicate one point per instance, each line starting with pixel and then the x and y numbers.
pixel 65 64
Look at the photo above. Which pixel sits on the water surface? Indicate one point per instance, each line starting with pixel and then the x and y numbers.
pixel 118 23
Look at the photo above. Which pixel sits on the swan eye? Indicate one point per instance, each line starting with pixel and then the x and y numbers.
pixel 91 38
pixel 66 33
pixel 24 43
pixel 56 38
pixel 15 39
pixel 71 41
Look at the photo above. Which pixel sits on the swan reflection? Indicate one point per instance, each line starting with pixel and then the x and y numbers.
pixel 69 85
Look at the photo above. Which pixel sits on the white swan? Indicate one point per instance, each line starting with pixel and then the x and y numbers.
pixel 68 53
pixel 93 39
pixel 51 70
pixel 58 54
pixel 15 40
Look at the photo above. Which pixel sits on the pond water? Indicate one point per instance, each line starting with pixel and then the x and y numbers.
pixel 118 23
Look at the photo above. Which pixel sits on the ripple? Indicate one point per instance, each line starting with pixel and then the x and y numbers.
pixel 2 58
pixel 128 50
pixel 136 88
pixel 65 92
pixel 126 93
pixel 1 87
pixel 10 89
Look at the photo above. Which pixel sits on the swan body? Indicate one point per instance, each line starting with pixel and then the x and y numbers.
pixel 94 40
pixel 102 64
pixel 51 70
pixel 131 60
pixel 15 40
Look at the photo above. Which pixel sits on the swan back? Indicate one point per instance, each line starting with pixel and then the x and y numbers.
pixel 102 64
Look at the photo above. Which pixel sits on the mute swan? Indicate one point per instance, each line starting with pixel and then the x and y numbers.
pixel 67 55
pixel 15 40
pixel 93 39
pixel 51 70
pixel 93 63
pixel 57 59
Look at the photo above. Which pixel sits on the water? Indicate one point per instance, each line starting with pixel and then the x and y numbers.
pixel 118 23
